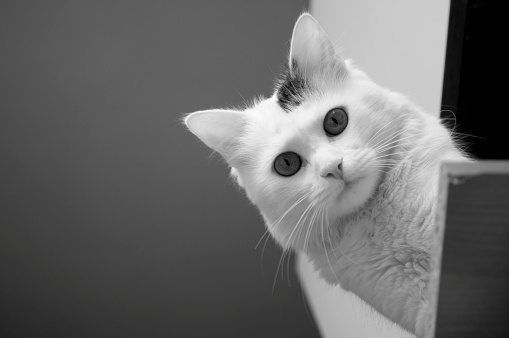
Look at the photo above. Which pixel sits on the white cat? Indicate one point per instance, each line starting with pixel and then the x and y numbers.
pixel 343 170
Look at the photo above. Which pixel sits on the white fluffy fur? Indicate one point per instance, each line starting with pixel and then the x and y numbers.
pixel 370 232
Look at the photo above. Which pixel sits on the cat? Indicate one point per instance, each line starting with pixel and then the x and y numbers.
pixel 342 170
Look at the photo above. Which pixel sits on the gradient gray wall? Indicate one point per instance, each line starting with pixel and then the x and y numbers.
pixel 114 219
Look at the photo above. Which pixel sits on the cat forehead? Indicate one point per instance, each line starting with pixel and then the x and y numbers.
pixel 357 91
pixel 269 113
pixel 315 102
pixel 292 89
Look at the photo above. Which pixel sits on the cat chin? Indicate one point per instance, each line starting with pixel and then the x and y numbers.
pixel 355 194
pixel 342 199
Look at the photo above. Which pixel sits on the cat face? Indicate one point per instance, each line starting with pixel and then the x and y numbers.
pixel 316 150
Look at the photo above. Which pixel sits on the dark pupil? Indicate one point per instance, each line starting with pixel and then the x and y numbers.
pixel 287 164
pixel 335 121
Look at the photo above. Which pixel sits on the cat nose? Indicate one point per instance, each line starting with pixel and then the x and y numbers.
pixel 333 169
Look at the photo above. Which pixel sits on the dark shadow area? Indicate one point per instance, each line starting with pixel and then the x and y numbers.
pixel 474 81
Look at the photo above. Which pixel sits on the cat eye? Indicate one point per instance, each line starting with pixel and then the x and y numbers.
pixel 287 164
pixel 335 121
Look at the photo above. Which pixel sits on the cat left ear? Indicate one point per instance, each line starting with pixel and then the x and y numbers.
pixel 311 49
pixel 220 130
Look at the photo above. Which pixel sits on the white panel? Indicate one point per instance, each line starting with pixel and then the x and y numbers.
pixel 399 43
pixel 341 314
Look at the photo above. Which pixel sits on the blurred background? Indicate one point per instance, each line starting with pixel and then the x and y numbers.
pixel 115 221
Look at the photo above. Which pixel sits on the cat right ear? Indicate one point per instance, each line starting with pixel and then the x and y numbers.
pixel 310 49
pixel 220 130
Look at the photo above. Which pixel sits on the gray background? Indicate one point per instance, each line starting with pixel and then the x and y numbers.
pixel 115 221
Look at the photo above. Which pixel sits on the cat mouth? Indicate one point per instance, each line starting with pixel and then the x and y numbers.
pixel 341 190
pixel 349 183
pixel 333 191
pixel 348 186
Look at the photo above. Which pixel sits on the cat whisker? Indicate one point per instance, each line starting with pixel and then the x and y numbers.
pixel 338 243
pixel 298 227
pixel 298 236
pixel 409 165
pixel 287 245
pixel 303 216
pixel 390 145
pixel 396 142
pixel 281 262
pixel 392 151
pixel 310 228
pixel 325 247
pixel 382 170
pixel 278 221
pixel 401 142
pixel 266 234
pixel 390 137
pixel 380 157
pixel 387 160
pixel 378 131
pixel 465 135
pixel 289 256
pixel 453 118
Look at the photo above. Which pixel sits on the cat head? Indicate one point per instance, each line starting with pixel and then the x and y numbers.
pixel 315 151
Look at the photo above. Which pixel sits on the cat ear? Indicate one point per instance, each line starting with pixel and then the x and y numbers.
pixel 310 48
pixel 218 129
